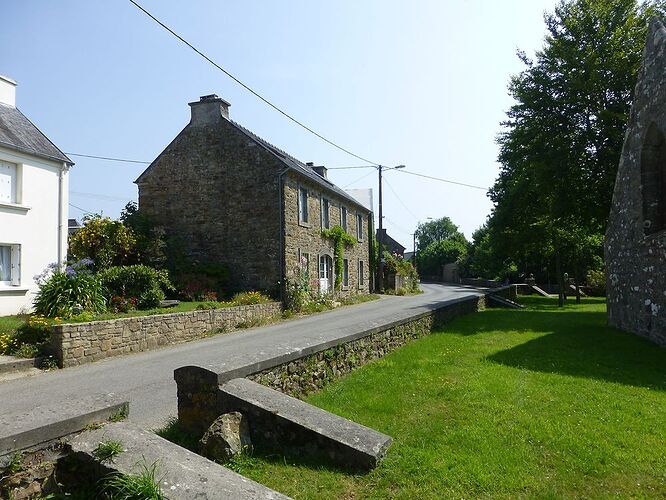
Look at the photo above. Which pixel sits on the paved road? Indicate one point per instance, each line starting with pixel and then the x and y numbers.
pixel 146 379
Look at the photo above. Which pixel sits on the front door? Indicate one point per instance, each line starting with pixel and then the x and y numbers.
pixel 325 274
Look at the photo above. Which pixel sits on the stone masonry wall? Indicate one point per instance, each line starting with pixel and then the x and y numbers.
pixel 306 238
pixel 217 192
pixel 79 343
pixel 635 247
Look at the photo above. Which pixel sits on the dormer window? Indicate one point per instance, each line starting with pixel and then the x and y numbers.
pixel 653 180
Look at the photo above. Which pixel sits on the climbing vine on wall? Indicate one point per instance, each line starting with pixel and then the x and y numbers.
pixel 341 239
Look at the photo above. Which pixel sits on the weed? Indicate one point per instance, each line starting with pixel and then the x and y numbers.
pixel 106 451
pixel 145 485
pixel 121 414
pixel 48 363
pixel 16 463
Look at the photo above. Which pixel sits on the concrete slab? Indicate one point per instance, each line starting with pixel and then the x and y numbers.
pixel 280 421
pixel 181 473
pixel 47 423
pixel 9 364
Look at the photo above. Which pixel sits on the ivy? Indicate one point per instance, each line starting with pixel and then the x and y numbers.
pixel 341 239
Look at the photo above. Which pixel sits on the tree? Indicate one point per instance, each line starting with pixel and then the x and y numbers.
pixel 150 239
pixel 563 137
pixel 105 241
pixel 439 243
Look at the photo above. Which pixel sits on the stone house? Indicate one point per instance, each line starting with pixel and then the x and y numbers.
pixel 635 247
pixel 34 177
pixel 233 198
pixel 391 245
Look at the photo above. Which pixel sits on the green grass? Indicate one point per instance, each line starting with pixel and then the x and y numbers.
pixel 142 486
pixel 536 403
pixel 9 324
pixel 106 451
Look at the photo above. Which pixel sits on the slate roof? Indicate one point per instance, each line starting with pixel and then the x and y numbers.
pixel 297 165
pixel 390 242
pixel 20 134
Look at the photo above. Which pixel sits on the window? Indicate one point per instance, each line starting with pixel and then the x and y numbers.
pixel 343 218
pixel 325 213
pixel 8 182
pixel 359 227
pixel 653 180
pixel 10 265
pixel 361 279
pixel 345 273
pixel 303 205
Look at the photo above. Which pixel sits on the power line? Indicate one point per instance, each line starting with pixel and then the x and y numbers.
pixel 401 202
pixel 108 158
pixel 82 209
pixel 360 178
pixel 100 196
pixel 442 180
pixel 246 87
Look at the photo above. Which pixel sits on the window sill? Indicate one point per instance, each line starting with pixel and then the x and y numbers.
pixel 9 289
pixel 304 224
pixel 14 206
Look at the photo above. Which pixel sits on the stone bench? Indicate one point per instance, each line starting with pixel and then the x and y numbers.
pixel 181 473
pixel 281 422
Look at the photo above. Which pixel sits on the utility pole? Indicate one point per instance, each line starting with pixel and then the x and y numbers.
pixel 380 242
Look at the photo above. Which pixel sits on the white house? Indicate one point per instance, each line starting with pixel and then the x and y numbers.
pixel 33 204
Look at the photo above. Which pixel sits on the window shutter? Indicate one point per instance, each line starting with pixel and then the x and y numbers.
pixel 16 265
pixel 7 182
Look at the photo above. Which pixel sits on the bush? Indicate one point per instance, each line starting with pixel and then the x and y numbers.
pixel 106 242
pixel 249 298
pixel 596 283
pixel 142 283
pixel 397 265
pixel 68 292
pixel 201 281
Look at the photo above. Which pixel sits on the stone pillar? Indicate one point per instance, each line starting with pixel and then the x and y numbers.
pixel 197 398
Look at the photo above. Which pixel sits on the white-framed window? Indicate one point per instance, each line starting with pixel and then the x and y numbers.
pixel 361 274
pixel 345 272
pixel 303 205
pixel 10 178
pixel 359 227
pixel 10 264
pixel 343 217
pixel 325 213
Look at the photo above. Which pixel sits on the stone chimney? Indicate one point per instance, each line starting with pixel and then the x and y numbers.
pixel 319 169
pixel 208 110
pixel 7 91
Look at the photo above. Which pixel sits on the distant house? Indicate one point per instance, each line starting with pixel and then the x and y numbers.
pixel 390 244
pixel 233 198
pixel 635 247
pixel 73 226
pixel 33 203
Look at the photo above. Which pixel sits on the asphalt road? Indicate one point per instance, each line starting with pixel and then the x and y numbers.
pixel 146 379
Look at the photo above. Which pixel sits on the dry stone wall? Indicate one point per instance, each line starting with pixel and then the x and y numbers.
pixel 79 343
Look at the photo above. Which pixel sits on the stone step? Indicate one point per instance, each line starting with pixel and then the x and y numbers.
pixel 182 474
pixel 11 364
pixel 283 422
pixel 501 301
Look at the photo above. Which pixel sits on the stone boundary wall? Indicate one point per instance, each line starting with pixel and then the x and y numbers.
pixel 302 374
pixel 310 373
pixel 78 343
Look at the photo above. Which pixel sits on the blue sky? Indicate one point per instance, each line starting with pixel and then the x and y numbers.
pixel 419 83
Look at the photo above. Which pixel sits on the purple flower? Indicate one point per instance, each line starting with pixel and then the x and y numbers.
pixel 70 271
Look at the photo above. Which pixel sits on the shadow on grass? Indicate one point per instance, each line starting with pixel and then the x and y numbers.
pixel 577 343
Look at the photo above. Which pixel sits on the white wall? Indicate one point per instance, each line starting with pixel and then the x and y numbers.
pixel 35 228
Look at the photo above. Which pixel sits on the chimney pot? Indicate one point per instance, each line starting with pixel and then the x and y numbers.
pixel 321 170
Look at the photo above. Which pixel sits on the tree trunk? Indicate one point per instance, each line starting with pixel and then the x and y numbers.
pixel 560 280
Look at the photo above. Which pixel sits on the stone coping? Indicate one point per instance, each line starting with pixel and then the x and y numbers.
pixel 242 367
pixel 47 423
pixel 11 364
pixel 181 473
pixel 317 431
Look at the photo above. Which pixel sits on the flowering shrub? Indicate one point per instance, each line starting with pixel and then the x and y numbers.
pixel 122 304
pixel 249 298
pixel 297 288
pixel 395 264
pixel 6 343
pixel 63 293
pixel 143 284
pixel 105 241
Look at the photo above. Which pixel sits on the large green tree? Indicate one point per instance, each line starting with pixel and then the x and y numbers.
pixel 562 139
pixel 440 242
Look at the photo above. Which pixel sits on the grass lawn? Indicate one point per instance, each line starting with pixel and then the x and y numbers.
pixel 538 402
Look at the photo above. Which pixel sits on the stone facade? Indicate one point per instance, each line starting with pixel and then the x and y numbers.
pixel 229 197
pixel 635 248
pixel 80 343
